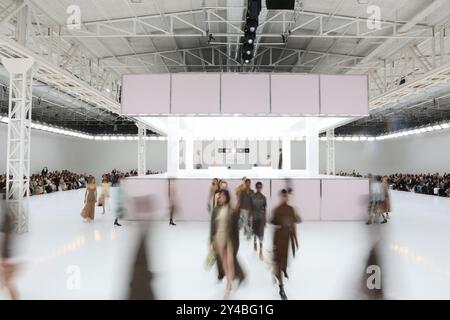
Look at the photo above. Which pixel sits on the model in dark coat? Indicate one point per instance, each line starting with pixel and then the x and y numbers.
pixel 285 220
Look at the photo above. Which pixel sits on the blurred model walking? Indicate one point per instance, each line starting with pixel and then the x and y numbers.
pixel 104 194
pixel 7 267
pixel 120 202
pixel 386 200
pixel 224 239
pixel 284 219
pixel 244 206
pixel 259 206
pixel 212 192
pixel 90 197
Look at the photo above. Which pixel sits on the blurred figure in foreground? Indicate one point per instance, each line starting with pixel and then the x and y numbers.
pixel 224 240
pixel 140 210
pixel 259 205
pixel 376 199
pixel 284 219
pixel 120 202
pixel 141 278
pixel 386 200
pixel 7 267
pixel 103 201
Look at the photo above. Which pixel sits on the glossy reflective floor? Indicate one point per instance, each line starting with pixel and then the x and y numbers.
pixel 64 258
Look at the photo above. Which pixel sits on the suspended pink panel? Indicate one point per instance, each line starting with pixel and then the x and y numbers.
pixel 344 95
pixel 305 198
pixel 146 94
pixel 295 94
pixel 345 199
pixel 245 93
pixel 195 93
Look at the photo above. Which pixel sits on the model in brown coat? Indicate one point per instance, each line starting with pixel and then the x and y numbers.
pixel 285 220
pixel 224 240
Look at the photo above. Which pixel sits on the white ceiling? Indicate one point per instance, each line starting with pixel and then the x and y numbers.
pixel 242 127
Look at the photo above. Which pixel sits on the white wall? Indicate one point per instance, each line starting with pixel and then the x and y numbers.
pixel 429 152
pixel 59 152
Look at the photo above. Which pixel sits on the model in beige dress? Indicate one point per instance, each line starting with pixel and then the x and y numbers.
pixel 90 198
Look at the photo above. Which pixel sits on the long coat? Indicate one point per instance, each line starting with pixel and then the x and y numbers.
pixel 233 236
pixel 285 218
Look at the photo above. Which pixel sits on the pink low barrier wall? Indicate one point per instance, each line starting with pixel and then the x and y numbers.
pixel 314 199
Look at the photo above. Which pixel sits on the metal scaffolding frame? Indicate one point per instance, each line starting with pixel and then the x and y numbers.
pixel 18 146
pixel 181 25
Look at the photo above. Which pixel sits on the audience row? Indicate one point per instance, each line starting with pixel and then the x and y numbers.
pixel 425 183
pixel 48 182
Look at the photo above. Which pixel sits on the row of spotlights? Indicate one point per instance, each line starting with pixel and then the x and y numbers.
pixel 251 25
pixel 43 127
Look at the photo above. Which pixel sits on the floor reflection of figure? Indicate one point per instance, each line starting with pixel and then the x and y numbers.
pixel 284 219
pixel 372 284
pixel 224 239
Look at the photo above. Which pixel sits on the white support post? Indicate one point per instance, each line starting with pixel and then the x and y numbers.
pixel 312 151
pixel 331 153
pixel 173 147
pixel 142 150
pixel 190 154
pixel 19 134
pixel 286 152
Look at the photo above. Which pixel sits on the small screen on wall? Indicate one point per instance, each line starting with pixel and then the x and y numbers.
pixel 234 150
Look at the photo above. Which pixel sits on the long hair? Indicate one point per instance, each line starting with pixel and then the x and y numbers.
pixel 226 193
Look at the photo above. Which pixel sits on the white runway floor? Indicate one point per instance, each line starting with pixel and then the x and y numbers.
pixel 329 264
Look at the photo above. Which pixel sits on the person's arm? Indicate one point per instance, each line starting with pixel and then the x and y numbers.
pixel 212 229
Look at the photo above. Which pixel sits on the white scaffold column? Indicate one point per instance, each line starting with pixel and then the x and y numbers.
pixel 286 150
pixel 173 147
pixel 142 149
pixel 19 134
pixel 190 153
pixel 331 153
pixel 312 151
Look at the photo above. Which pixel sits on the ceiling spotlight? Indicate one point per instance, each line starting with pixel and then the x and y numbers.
pixel 247 57
pixel 249 37
pixel 248 48
pixel 252 25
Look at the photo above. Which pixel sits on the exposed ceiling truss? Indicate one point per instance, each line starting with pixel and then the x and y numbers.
pixel 406 60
